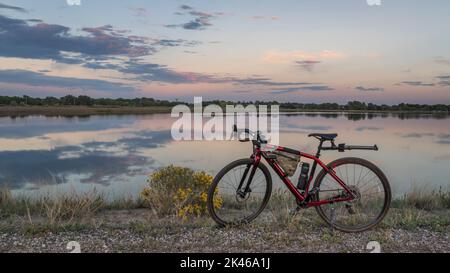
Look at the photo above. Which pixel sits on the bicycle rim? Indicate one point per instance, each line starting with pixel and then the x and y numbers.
pixel 226 206
pixel 367 183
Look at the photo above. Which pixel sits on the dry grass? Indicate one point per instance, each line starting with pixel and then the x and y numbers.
pixel 62 207
pixel 424 199
pixel 418 209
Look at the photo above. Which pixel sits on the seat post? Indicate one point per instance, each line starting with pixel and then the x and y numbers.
pixel 319 149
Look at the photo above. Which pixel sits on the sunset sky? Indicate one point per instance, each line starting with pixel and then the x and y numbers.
pixel 302 51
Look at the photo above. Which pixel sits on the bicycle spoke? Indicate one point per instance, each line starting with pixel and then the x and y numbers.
pixel 368 192
pixel 235 207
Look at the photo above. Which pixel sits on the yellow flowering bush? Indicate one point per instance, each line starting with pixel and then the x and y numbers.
pixel 178 191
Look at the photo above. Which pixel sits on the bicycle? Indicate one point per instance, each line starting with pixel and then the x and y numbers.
pixel 241 190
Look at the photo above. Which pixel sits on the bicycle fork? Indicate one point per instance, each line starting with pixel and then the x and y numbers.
pixel 253 167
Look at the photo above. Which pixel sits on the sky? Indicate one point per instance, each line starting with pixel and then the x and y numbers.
pixel 287 50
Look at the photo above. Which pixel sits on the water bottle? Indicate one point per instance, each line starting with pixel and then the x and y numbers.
pixel 303 178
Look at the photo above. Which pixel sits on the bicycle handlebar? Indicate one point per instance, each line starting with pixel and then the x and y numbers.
pixel 343 147
pixel 253 135
pixel 340 147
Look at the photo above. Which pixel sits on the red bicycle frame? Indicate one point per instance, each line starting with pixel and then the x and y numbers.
pixel 263 150
pixel 259 153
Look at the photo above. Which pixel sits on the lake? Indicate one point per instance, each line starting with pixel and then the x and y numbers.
pixel 114 154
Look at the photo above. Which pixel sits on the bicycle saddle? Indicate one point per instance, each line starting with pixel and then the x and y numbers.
pixel 324 136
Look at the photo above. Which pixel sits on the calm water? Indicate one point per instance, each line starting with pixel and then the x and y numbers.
pixel 115 153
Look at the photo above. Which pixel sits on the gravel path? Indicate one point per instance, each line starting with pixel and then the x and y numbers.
pixel 133 232
pixel 208 240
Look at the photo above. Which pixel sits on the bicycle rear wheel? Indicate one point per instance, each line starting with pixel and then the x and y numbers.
pixel 367 182
pixel 230 205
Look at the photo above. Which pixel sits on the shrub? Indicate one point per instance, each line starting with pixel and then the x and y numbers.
pixel 178 191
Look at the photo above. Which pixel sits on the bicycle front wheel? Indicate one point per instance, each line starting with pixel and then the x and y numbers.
pixel 367 182
pixel 230 201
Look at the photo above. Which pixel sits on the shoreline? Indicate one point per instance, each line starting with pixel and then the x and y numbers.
pixel 24 111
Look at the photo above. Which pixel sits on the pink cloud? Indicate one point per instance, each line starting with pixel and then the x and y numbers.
pixel 275 56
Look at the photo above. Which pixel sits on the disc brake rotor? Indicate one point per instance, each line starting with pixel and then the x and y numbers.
pixel 242 196
pixel 357 194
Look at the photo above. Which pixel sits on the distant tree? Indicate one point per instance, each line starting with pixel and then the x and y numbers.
pixel 68 100
pixel 149 102
pixel 84 100
pixel 51 101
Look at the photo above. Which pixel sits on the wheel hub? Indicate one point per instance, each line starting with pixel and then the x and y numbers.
pixel 356 193
pixel 242 196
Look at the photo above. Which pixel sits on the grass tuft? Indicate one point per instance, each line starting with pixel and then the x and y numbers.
pixel 423 199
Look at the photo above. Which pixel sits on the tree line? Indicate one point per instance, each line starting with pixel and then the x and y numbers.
pixel 70 100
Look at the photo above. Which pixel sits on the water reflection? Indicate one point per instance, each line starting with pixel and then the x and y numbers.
pixel 39 168
pixel 91 150
pixel 117 152
pixel 26 127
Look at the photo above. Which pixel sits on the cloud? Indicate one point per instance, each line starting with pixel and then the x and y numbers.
pixel 39 79
pixel 3 6
pixel 369 89
pixel 200 21
pixel 186 7
pixel 34 20
pixel 331 54
pixel 444 80
pixel 160 73
pixel 149 72
pixel 307 65
pixel 95 50
pixel 441 60
pixel 50 41
pixel 304 88
pixel 276 56
pixel 417 83
pixel 139 11
pixel 265 82
pixel 175 42
pixel 260 17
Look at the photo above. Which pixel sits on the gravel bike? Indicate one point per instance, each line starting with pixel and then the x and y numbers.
pixel 350 194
